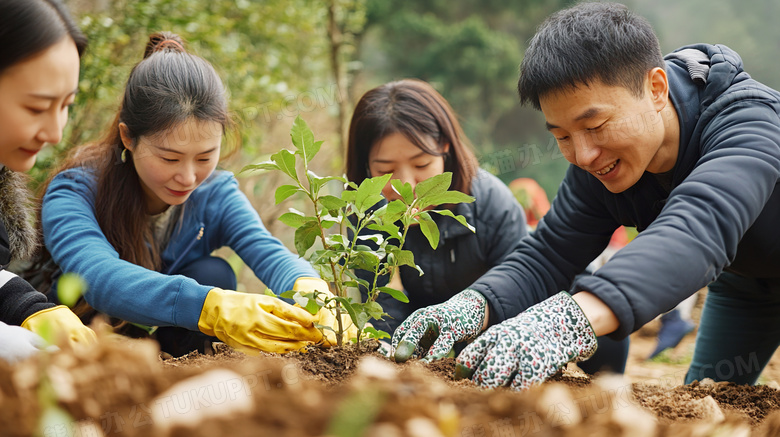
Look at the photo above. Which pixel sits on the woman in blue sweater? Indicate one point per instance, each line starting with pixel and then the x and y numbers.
pixel 138 214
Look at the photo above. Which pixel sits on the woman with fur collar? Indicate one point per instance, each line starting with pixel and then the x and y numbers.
pixel 40 47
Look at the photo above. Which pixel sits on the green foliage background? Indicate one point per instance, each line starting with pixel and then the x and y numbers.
pixel 264 51
pixel 275 57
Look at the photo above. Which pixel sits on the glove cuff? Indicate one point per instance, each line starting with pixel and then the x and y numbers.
pixel 577 329
pixel 209 313
pixel 31 322
pixel 470 295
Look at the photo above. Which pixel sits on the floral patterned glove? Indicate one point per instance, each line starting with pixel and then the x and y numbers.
pixel 436 328
pixel 531 347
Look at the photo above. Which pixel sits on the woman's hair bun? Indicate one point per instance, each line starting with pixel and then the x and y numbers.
pixel 164 41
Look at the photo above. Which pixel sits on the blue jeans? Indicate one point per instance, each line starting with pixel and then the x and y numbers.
pixel 211 271
pixel 739 330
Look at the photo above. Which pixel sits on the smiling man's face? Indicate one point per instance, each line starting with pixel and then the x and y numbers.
pixel 612 134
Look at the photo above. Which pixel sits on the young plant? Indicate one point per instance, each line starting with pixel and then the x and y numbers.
pixel 343 225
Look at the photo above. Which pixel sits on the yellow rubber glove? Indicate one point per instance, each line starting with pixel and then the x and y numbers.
pixel 60 321
pixel 256 322
pixel 327 315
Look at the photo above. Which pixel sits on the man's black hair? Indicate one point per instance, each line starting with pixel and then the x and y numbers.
pixel 585 43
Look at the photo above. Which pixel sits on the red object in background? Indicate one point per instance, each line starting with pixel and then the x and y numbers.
pixel 619 238
pixel 534 200
pixel 532 197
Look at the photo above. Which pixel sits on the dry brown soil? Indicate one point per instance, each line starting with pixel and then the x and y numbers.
pixel 124 388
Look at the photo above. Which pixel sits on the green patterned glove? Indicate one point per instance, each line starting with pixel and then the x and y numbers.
pixel 531 347
pixel 437 328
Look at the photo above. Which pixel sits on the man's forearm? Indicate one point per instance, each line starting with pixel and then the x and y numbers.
pixel 601 317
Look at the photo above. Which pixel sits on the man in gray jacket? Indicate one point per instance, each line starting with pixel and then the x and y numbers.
pixel 687 149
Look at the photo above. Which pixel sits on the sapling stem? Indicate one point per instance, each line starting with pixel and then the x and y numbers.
pixel 344 254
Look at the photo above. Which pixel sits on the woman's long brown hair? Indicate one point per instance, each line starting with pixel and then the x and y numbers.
pixel 168 87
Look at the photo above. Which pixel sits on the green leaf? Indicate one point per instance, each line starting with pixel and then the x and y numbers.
pixel 434 185
pixel 390 229
pixel 338 241
pixel 396 294
pixel 428 228
pixel 445 198
pixel 325 271
pixel 362 282
pixel 323 256
pixel 349 196
pixel 267 165
pixel 327 224
pixel 289 294
pixel 323 327
pixel 374 333
pixel 307 301
pixel 403 257
pixel 364 260
pixel 373 309
pixel 294 219
pixel 370 192
pixel 313 307
pixel 353 284
pixel 305 236
pixel 285 191
pixel 459 218
pixel 404 190
pixel 286 162
pixel 303 140
pixel 376 238
pixel 317 182
pixel 362 316
pixel 346 304
pixel 269 292
pixel 331 203
pixel 394 211
pixel 70 287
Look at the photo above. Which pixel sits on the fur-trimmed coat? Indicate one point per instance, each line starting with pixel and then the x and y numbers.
pixel 18 241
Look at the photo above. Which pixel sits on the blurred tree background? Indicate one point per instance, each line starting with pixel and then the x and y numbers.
pixel 315 58
pixel 281 58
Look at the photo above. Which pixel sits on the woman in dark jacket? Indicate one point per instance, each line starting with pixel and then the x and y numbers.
pixel 408 129
pixel 40 48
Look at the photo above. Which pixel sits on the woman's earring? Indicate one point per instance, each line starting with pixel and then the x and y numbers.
pixel 123 156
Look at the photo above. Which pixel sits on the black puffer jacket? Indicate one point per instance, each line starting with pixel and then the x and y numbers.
pixel 462 256
pixel 722 212
pixel 18 299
